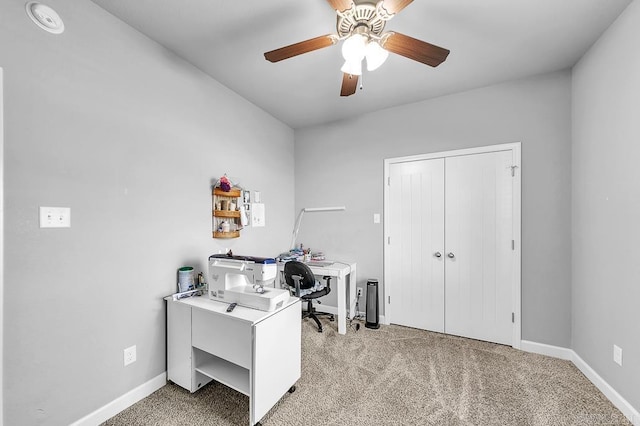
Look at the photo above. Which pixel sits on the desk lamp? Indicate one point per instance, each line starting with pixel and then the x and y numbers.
pixel 310 209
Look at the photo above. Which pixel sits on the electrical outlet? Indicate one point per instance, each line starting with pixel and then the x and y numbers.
pixel 359 291
pixel 55 217
pixel 130 355
pixel 617 355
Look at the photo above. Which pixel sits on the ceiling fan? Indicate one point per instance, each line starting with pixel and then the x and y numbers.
pixel 361 24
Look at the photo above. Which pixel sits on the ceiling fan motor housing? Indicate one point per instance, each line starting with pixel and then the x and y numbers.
pixel 362 18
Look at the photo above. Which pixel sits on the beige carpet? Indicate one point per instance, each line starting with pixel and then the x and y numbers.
pixel 398 376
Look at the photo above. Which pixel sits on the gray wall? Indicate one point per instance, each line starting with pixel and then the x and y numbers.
pixel 342 164
pixel 104 121
pixel 606 205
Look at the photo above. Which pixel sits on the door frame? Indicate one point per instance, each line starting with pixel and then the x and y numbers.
pixel 515 149
pixel 1 248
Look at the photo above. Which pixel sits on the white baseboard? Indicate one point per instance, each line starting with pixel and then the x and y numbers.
pixel 621 404
pixel 569 354
pixel 549 350
pixel 125 401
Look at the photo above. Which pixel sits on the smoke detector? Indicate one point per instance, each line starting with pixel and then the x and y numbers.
pixel 45 17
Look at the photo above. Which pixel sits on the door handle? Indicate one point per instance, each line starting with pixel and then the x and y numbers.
pixel 451 255
pixel 437 254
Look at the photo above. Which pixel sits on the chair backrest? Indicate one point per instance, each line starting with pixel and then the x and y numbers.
pixel 294 267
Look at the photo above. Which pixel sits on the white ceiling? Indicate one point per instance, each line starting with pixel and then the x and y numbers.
pixel 490 41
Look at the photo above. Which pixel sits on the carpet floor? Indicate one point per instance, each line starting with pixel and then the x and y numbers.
pixel 398 376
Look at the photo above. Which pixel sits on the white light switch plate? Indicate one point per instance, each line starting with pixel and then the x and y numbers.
pixel 617 355
pixel 376 218
pixel 55 217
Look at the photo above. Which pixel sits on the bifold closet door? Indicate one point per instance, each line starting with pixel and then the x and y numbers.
pixel 416 210
pixel 478 246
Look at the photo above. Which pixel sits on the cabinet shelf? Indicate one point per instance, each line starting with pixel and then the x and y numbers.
pixel 225 372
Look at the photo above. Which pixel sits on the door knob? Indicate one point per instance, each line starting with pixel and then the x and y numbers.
pixel 451 255
pixel 437 254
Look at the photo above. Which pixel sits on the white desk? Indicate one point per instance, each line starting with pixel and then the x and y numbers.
pixel 340 271
pixel 254 352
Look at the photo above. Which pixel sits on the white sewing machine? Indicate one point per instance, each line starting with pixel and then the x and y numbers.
pixel 243 280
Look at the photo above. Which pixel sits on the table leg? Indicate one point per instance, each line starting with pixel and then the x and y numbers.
pixel 342 305
pixel 352 291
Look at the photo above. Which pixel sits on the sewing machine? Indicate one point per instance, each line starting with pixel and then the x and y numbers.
pixel 243 280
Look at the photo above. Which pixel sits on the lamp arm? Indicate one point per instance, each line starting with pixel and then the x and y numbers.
pixel 296 229
pixel 310 209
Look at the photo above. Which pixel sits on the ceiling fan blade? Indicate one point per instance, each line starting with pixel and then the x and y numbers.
pixel 300 48
pixel 415 49
pixel 349 84
pixel 394 6
pixel 341 5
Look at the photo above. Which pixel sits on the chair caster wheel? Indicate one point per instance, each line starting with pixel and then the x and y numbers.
pixel 319 330
pixel 292 389
pixel 331 318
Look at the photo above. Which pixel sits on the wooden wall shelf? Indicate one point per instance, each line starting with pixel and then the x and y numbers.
pixel 230 234
pixel 233 193
pixel 232 217
pixel 226 213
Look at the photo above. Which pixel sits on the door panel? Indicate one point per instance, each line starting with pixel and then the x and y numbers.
pixel 478 229
pixel 416 198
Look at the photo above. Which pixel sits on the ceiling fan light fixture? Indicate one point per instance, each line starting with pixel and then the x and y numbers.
pixel 352 67
pixel 376 55
pixel 360 26
pixel 353 48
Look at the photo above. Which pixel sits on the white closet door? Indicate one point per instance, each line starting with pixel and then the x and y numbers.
pixel 416 198
pixel 479 256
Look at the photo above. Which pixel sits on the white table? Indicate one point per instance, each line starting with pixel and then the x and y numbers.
pixel 255 352
pixel 341 272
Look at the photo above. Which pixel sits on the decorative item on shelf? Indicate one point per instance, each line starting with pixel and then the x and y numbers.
pixel 225 183
pixel 227 221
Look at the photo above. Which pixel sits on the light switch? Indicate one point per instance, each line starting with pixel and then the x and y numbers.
pixel 376 218
pixel 55 217
pixel 617 355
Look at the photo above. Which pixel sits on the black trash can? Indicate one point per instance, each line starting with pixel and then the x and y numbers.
pixel 373 317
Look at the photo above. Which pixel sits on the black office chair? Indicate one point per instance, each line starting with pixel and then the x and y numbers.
pixel 298 276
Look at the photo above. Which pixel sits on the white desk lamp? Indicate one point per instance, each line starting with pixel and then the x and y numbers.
pixel 310 209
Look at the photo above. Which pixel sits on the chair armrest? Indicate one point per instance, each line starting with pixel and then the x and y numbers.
pixel 328 280
pixel 297 279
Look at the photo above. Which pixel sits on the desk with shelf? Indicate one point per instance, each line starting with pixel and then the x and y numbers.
pixel 255 352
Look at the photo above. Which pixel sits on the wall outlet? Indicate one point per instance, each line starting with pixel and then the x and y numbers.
pixel 617 355
pixel 359 291
pixel 130 355
pixel 55 217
